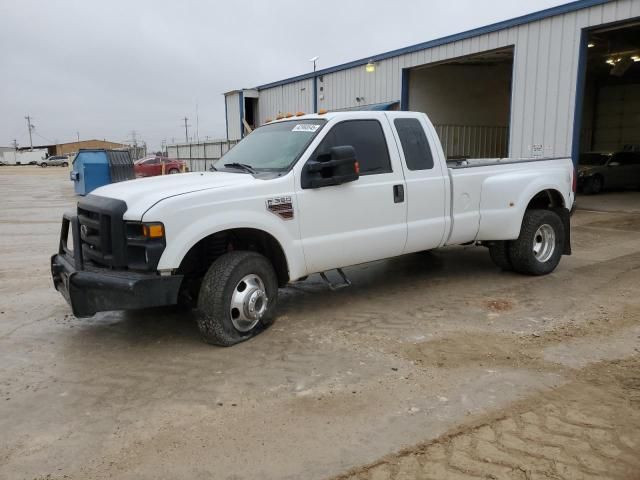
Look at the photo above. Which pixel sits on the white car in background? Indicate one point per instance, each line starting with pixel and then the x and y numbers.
pixel 55 161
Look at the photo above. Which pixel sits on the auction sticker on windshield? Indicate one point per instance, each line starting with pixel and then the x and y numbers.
pixel 305 127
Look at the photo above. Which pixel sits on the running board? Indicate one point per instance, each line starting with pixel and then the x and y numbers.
pixel 332 286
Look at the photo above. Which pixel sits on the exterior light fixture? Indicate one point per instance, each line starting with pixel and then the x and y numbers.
pixel 370 67
pixel 591 44
pixel 636 58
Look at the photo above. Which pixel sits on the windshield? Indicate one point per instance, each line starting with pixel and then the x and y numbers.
pixel 593 159
pixel 274 147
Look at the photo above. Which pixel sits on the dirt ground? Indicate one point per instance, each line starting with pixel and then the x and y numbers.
pixel 435 366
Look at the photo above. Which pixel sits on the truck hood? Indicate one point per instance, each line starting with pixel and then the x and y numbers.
pixel 142 193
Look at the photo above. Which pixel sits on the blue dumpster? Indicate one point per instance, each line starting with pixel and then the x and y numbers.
pixel 93 168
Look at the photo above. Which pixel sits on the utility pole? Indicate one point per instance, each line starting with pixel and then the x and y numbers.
pixel 186 130
pixel 134 140
pixel 15 144
pixel 78 136
pixel 30 127
pixel 197 125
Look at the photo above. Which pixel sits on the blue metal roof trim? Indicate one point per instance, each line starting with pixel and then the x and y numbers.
pixel 380 107
pixel 514 22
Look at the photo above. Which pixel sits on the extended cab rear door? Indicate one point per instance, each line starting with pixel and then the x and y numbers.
pixel 427 181
pixel 359 221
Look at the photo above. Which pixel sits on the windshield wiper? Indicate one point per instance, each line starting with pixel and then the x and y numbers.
pixel 241 166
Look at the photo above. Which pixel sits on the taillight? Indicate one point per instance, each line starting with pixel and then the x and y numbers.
pixel 574 181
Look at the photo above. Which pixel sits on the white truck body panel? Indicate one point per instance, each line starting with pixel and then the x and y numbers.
pixel 355 222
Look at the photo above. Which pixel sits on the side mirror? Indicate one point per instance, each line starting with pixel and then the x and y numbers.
pixel 334 168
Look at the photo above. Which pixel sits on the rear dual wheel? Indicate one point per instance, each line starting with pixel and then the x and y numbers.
pixel 538 248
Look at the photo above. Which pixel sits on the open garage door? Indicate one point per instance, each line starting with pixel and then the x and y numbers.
pixel 468 100
pixel 609 159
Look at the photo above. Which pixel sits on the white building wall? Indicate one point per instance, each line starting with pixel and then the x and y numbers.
pixel 234 131
pixel 291 98
pixel 544 81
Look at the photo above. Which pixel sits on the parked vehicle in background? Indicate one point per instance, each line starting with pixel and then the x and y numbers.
pixel 597 171
pixel 152 166
pixel 301 196
pixel 55 161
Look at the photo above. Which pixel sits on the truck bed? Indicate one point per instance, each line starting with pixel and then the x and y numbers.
pixel 489 196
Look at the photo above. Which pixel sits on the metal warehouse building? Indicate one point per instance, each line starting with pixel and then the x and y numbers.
pixel 551 83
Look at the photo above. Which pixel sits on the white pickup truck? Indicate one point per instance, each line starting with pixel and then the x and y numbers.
pixel 304 195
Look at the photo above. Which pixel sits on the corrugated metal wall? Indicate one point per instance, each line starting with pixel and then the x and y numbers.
pixel 234 131
pixel 290 98
pixel 200 156
pixel 475 141
pixel 544 87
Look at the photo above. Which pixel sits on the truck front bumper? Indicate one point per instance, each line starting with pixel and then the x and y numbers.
pixel 90 289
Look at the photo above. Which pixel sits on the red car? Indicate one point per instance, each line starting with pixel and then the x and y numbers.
pixel 152 166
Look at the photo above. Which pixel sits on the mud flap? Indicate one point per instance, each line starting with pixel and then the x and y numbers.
pixel 565 217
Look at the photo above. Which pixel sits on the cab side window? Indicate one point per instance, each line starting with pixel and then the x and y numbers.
pixel 417 153
pixel 368 140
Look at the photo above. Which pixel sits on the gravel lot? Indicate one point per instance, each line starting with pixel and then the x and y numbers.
pixel 434 365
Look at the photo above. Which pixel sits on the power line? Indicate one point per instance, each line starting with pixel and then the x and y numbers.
pixel 43 137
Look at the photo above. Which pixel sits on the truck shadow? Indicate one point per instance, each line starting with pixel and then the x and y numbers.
pixel 302 304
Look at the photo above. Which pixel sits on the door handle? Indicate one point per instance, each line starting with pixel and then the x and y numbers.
pixel 398 193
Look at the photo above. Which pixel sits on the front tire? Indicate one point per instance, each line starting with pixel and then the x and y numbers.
pixel 43 165
pixel 538 249
pixel 173 171
pixel 65 164
pixel 237 299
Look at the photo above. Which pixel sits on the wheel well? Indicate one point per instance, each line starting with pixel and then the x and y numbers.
pixel 200 257
pixel 546 200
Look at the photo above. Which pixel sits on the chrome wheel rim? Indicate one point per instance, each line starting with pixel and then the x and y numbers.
pixel 248 303
pixel 544 243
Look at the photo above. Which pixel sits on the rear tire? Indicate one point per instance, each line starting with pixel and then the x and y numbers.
pixel 539 246
pixel 229 312
pixel 499 252
pixel 65 164
pixel 43 165
pixel 173 171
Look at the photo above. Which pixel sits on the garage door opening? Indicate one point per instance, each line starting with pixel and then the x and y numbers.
pixel 609 156
pixel 469 102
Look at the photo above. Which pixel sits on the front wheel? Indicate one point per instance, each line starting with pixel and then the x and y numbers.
pixel 43 164
pixel 173 171
pixel 237 299
pixel 538 249
pixel 65 164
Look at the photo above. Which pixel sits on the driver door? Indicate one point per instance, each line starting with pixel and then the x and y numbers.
pixel 362 220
